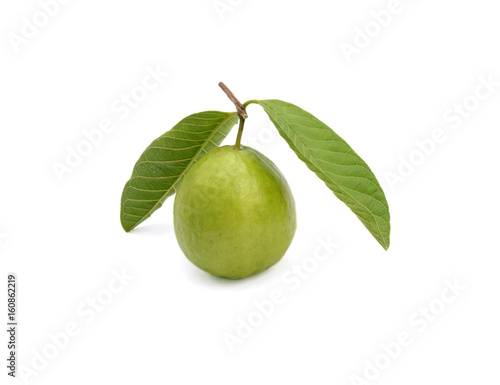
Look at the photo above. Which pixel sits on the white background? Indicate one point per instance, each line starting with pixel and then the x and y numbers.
pixel 64 240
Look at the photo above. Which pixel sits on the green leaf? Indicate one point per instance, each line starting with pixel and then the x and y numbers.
pixel 163 164
pixel 334 162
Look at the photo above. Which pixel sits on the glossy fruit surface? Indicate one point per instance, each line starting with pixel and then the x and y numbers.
pixel 234 213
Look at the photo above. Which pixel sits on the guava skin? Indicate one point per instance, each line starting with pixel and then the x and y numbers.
pixel 234 213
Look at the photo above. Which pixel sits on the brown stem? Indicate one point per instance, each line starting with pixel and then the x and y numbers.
pixel 239 107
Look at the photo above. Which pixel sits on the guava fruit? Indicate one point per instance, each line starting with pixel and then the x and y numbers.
pixel 234 213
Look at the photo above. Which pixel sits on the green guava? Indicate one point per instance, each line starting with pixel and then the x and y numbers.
pixel 234 213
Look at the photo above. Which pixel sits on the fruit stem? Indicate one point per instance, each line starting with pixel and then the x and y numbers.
pixel 242 113
pixel 237 145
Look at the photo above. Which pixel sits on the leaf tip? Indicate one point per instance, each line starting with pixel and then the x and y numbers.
pixel 127 229
pixel 385 243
